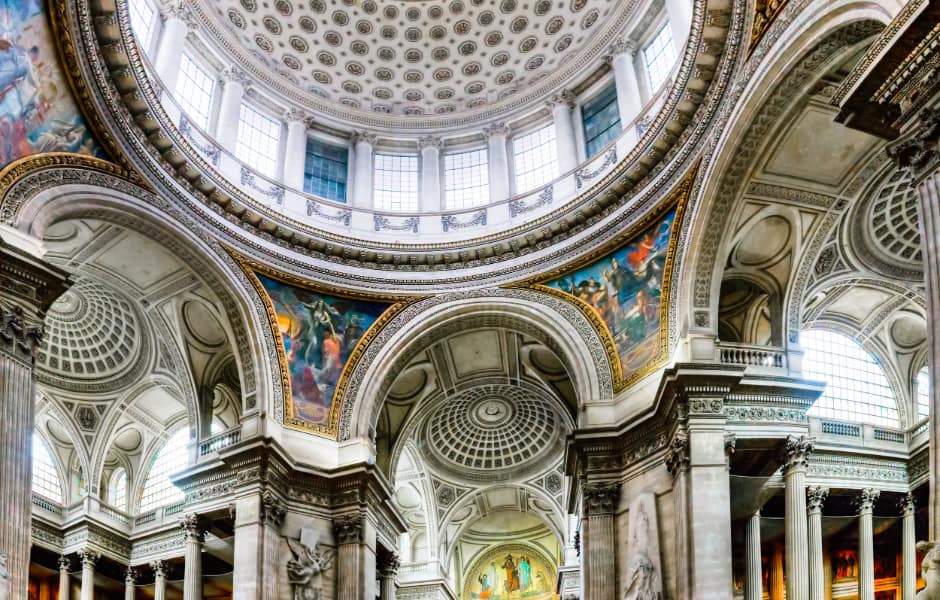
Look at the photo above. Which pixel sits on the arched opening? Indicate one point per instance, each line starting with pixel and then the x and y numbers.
pixel 157 489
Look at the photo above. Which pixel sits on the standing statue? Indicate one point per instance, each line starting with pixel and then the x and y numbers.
pixel 305 570
pixel 4 578
pixel 643 580
pixel 930 571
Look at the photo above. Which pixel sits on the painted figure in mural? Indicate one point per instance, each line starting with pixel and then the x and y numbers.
pixel 525 573
pixel 625 288
pixel 486 587
pixel 511 584
pixel 319 333
pixel 492 576
pixel 37 113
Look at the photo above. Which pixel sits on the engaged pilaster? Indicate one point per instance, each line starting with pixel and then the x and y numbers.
pixel 234 85
pixel 497 137
pixel 866 557
pixel 431 190
pixel 363 143
pixel 795 463
pixel 598 540
pixel 815 497
pixel 620 57
pixel 355 560
pixel 561 106
pixel 295 149
pixel 677 463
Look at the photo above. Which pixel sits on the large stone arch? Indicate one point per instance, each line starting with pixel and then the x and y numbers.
pixel 552 320
pixel 780 69
pixel 41 190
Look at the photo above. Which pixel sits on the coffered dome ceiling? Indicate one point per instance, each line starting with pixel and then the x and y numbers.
pixel 435 57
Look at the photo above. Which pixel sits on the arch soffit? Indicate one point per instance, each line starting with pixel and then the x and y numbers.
pixel 40 190
pixel 551 320
pixel 778 69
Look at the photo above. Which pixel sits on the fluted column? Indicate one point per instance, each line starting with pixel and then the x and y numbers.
pixel 866 544
pixel 432 193
pixel 598 541
pixel 908 549
pixel 497 137
pixel 65 583
pixel 130 578
pixel 815 497
pixel 362 169
pixel 27 288
pixel 234 86
pixel 295 149
pixel 355 561
pixel 388 572
pixel 753 580
pixel 194 535
pixel 677 463
pixel 797 562
pixel 89 558
pixel 629 103
pixel 159 568
pixel 561 106
pixel 169 53
pixel 273 512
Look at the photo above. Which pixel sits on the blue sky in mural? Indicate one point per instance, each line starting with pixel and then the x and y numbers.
pixel 37 112
pixel 319 333
pixel 624 287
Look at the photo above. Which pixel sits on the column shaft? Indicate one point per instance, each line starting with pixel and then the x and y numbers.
pixel 88 575
pixel 64 580
pixel 159 585
pixel 776 580
pixel 129 578
pixel 598 542
pixel 432 193
pixel 355 561
pixel 362 174
pixel 866 556
pixel 498 162
pixel 629 103
pixel 908 550
pixel 233 92
pixel 817 579
pixel 194 535
pixel 564 133
pixel 170 50
pixel 795 538
pixel 295 151
pixel 753 580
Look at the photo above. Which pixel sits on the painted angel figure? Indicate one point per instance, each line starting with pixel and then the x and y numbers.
pixel 305 569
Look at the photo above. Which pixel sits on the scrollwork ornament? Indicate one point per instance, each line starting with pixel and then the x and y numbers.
pixel 797 452
pixel 677 455
pixel 906 504
pixel 65 563
pixel 159 568
pixel 272 509
pixel 730 444
pixel 89 558
pixel 919 152
pixel 815 497
pixel 601 499
pixel 19 337
pixel 194 527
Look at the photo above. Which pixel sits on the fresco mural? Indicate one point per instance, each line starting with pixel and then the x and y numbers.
pixel 624 288
pixel 319 332
pixel 37 112
pixel 510 573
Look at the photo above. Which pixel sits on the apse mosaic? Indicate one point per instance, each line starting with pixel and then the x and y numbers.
pixel 625 288
pixel 320 333
pixel 510 572
pixel 37 112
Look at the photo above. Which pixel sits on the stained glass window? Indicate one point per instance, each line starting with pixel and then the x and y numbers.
pixel 258 142
pixel 601 119
pixel 326 170
pixel 46 481
pixel 158 489
pixel 466 179
pixel 856 387
pixel 396 182
pixel 535 159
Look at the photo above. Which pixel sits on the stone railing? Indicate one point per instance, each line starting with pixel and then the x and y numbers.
pixel 751 355
pixel 426 227
pixel 859 435
pixel 47 504
pixel 220 440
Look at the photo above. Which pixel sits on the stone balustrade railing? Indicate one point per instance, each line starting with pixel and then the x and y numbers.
pixel 220 440
pixel 752 356
pixel 862 435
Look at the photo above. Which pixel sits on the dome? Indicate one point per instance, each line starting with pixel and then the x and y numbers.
pixel 458 59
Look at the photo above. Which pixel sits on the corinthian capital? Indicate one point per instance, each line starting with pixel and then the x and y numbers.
pixel 866 499
pixel 364 136
pixel 496 130
pixel 89 558
pixel 815 497
pixel 906 504
pixel 272 509
pixel 430 141
pixel 348 530
pixel 194 527
pixel 562 98
pixel 677 455
pixel 797 452
pixel 919 152
pixel 601 499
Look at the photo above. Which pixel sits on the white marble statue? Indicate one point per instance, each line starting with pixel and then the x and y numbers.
pixel 305 570
pixel 4 577
pixel 930 571
pixel 644 575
